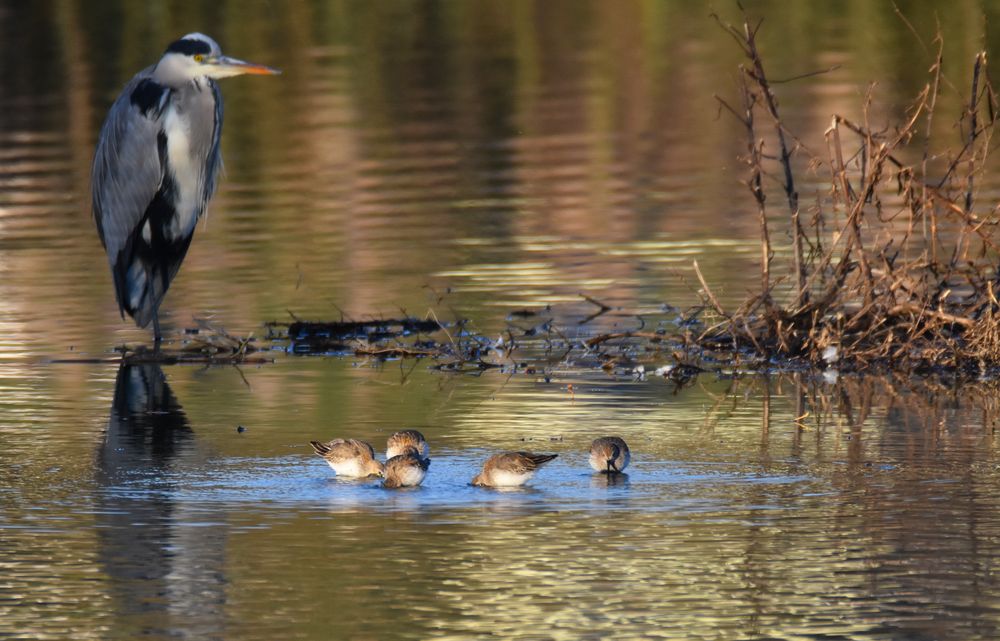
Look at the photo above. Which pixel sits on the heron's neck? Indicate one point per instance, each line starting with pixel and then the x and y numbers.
pixel 176 71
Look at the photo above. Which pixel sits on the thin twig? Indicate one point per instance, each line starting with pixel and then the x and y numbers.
pixel 708 292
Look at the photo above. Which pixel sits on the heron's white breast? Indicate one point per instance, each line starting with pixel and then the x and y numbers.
pixel 185 171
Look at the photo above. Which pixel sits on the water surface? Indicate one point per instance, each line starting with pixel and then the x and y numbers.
pixel 464 160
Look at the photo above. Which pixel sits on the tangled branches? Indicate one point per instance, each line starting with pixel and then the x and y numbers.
pixel 908 280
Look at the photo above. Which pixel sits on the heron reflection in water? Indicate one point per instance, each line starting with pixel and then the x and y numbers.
pixel 156 166
pixel 166 578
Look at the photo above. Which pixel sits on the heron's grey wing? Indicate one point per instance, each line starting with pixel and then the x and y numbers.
pixel 127 168
pixel 213 157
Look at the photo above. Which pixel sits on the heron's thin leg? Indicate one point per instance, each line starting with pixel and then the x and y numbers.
pixel 157 336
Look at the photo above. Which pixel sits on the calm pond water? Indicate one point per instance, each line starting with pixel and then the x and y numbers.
pixel 466 159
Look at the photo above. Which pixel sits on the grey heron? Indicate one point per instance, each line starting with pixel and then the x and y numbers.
pixel 155 168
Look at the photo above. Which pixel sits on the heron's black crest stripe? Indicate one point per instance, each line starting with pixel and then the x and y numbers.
pixel 188 47
pixel 147 95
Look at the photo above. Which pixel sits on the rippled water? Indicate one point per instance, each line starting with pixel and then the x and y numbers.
pixel 153 515
pixel 465 160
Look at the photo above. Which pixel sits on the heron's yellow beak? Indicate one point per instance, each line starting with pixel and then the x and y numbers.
pixel 226 66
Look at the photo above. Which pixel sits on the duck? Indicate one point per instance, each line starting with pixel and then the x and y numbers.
pixel 510 469
pixel 609 455
pixel 407 469
pixel 349 457
pixel 403 439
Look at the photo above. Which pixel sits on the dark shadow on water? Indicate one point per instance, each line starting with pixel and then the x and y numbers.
pixel 510 490
pixel 147 426
pixel 350 481
pixel 166 575
pixel 599 480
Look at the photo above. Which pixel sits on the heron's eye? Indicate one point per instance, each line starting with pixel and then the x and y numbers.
pixel 198 57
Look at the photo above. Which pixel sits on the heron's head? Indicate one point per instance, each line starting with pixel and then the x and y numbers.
pixel 198 56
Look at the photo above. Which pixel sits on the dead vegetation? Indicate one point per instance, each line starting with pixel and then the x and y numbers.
pixel 896 269
pixel 205 344
pixel 533 343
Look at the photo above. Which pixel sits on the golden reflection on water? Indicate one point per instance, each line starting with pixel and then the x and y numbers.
pixel 399 134
pixel 172 522
pixel 471 158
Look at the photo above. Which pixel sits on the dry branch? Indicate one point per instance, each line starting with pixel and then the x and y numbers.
pixel 877 293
